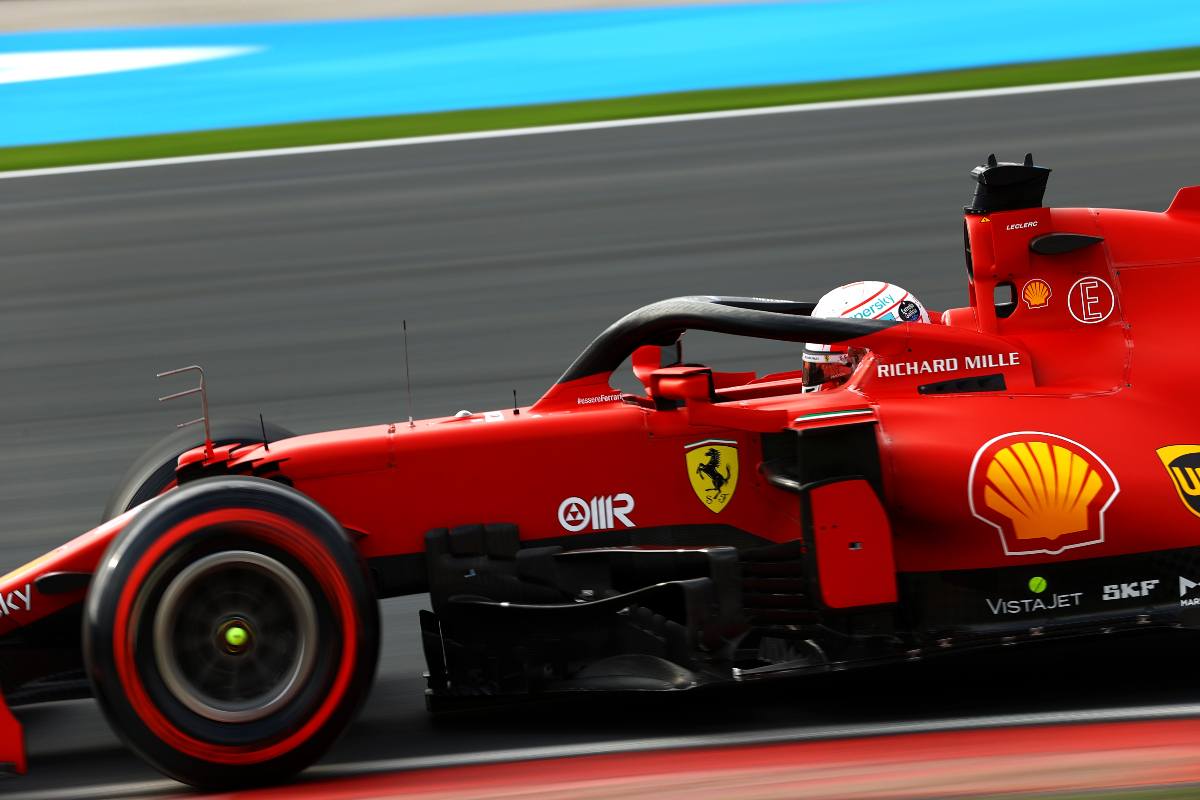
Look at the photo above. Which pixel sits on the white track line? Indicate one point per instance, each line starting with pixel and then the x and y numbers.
pixel 770 736
pixel 160 788
pixel 615 123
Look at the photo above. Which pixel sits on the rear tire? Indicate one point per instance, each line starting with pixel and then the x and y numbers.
pixel 154 470
pixel 230 632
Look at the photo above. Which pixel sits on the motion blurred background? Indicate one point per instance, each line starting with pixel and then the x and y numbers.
pixel 287 276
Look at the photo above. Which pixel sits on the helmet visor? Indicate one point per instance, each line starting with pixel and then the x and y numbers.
pixel 818 376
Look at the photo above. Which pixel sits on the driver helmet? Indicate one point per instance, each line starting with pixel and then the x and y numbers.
pixel 827 366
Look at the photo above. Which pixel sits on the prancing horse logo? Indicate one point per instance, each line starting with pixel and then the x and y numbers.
pixel 712 469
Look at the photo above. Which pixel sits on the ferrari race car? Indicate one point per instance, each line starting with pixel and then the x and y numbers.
pixel 1024 467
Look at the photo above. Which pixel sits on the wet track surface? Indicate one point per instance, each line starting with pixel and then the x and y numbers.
pixel 287 278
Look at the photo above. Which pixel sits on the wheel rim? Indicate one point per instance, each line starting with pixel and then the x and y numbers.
pixel 235 636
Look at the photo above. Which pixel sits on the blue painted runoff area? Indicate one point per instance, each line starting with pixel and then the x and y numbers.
pixel 292 72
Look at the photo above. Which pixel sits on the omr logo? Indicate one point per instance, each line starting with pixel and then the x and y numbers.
pixel 600 513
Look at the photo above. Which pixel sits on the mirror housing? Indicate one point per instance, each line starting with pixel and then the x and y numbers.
pixel 683 384
pixel 646 360
pixel 692 390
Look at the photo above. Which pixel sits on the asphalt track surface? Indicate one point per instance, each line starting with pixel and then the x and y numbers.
pixel 288 278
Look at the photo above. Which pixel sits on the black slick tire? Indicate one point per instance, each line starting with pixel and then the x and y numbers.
pixel 230 632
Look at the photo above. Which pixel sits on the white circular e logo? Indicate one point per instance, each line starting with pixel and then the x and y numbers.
pixel 1091 300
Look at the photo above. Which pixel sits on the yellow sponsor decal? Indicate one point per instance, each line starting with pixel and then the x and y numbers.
pixel 1036 293
pixel 1183 465
pixel 712 467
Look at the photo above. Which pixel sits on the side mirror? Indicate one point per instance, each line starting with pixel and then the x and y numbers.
pixel 645 361
pixel 683 384
pixel 648 358
pixel 692 389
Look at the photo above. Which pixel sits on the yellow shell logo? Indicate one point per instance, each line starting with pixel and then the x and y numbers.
pixel 1036 293
pixel 1044 493
pixel 1044 489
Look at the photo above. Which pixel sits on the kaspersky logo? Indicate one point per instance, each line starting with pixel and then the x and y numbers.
pixel 1043 493
pixel 1183 465
pixel 16 600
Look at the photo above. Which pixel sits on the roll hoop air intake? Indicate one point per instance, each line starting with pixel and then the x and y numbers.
pixel 1007 186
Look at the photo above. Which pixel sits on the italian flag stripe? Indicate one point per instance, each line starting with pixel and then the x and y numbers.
pixel 830 414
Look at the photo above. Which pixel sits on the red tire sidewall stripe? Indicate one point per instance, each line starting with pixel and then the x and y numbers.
pixel 283 533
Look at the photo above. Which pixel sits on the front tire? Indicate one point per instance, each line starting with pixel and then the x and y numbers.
pixel 230 632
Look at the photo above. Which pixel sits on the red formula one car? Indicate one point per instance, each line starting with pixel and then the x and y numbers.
pixel 1023 467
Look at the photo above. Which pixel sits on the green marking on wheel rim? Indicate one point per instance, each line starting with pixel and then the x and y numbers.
pixel 236 636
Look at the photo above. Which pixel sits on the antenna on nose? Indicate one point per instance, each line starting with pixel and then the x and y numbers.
pixel 407 374
pixel 201 390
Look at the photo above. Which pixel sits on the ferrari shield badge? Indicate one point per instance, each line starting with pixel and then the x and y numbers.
pixel 1183 464
pixel 1042 492
pixel 713 469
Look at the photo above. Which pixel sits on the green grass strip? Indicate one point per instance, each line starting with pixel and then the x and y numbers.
pixel 392 127
pixel 1182 792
